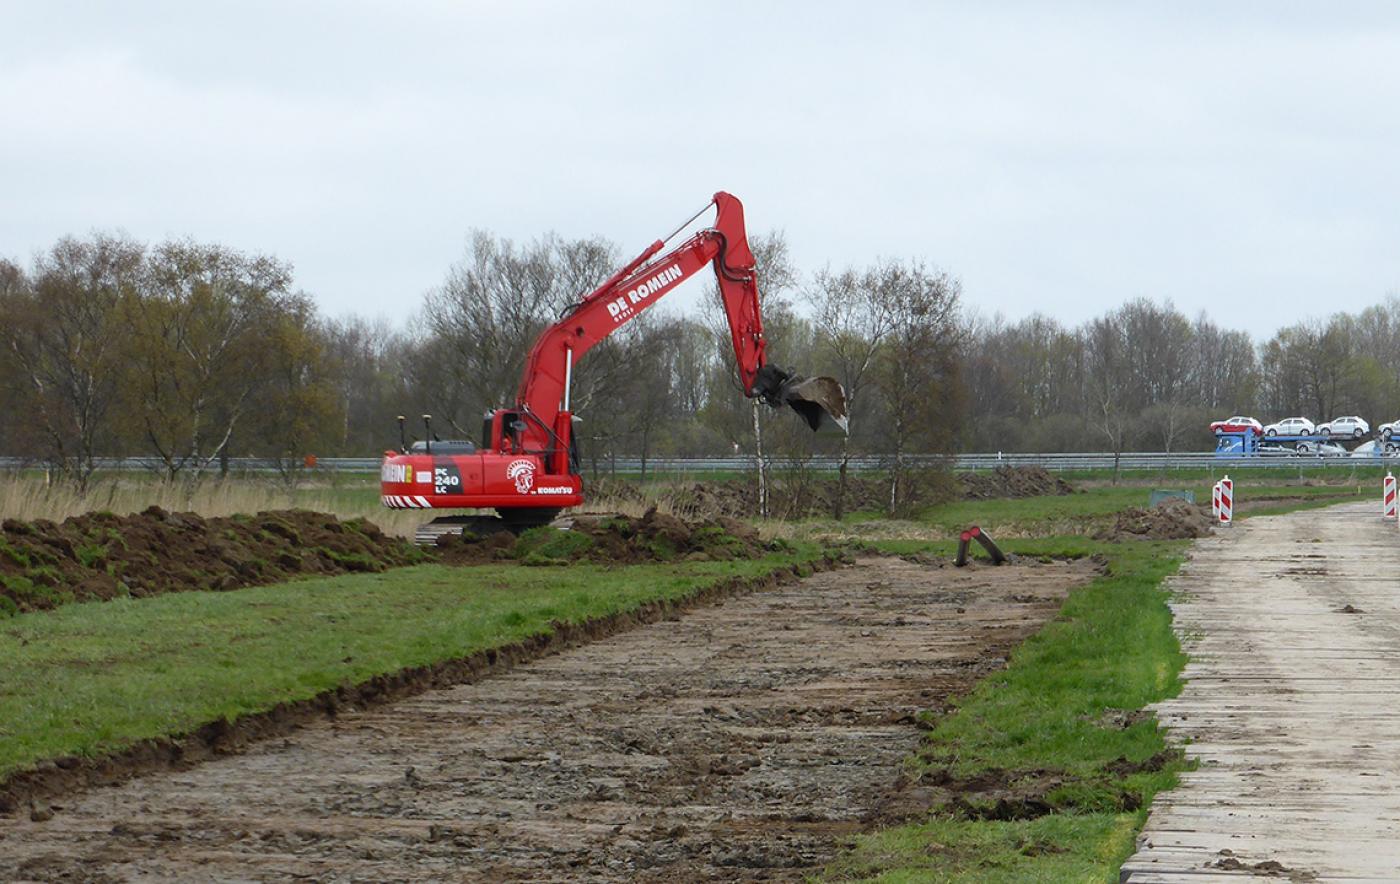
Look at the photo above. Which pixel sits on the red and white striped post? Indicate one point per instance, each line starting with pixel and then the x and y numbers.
pixel 1227 501
pixel 1388 497
pixel 1215 501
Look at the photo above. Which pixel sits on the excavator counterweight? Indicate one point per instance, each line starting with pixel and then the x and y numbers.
pixel 526 467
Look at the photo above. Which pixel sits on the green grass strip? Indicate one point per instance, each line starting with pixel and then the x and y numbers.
pixel 93 678
pixel 1093 508
pixel 1111 648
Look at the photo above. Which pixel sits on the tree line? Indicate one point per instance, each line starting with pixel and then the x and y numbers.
pixel 1146 377
pixel 190 353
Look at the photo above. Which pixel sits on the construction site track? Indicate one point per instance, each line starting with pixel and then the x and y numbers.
pixel 742 741
pixel 58 777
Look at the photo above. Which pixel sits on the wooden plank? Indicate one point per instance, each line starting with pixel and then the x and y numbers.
pixel 1291 706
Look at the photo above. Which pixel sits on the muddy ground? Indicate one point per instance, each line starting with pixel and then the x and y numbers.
pixel 744 741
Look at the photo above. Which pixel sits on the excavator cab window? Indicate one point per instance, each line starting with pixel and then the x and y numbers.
pixel 501 429
pixel 510 428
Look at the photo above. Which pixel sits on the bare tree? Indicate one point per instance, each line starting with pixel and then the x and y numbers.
pixel 368 379
pixel 299 407
pixel 852 323
pixel 1111 399
pixel 202 327
pixel 489 310
pixel 65 334
pixel 737 418
pixel 916 369
pixel 645 402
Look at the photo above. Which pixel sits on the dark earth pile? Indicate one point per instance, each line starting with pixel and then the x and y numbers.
pixel 105 556
pixel 655 537
pixel 1012 482
pixel 1173 519
pixel 797 496
pixel 789 497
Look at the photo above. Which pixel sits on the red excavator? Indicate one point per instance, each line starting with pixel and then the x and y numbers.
pixel 527 467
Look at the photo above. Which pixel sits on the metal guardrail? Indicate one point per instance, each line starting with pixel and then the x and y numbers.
pixel 1058 462
pixel 1157 460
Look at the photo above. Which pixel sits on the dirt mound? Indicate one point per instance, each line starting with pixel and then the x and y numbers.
pixel 731 498
pixel 655 537
pixel 102 556
pixel 789 496
pixel 1173 519
pixel 795 495
pixel 1012 482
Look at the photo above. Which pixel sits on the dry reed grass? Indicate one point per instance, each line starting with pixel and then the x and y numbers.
pixel 28 498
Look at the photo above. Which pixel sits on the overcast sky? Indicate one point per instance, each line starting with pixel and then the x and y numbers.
pixel 1241 158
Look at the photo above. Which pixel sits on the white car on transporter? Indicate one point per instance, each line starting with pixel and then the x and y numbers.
pixel 1291 426
pixel 1385 431
pixel 1342 427
pixel 1321 449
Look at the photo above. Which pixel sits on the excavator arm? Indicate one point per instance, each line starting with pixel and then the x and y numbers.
pixel 544 388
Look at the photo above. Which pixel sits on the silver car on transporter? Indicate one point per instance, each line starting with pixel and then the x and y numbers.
pixel 1342 427
pixel 1291 426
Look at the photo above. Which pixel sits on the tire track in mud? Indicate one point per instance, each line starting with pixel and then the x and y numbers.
pixel 741 741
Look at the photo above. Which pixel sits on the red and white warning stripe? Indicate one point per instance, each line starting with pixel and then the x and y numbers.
pixel 1215 501
pixel 1388 497
pixel 1227 501
pixel 405 502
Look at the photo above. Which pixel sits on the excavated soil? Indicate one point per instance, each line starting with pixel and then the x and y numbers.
pixel 102 556
pixel 744 741
pixel 1172 519
pixel 1013 482
pixel 655 537
pixel 1015 794
pixel 796 497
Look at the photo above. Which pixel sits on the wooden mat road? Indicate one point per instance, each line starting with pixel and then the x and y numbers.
pixel 1291 706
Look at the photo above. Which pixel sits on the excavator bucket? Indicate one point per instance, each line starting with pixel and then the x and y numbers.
pixel 820 401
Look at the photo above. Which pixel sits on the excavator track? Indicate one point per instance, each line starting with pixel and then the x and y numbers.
pixel 428 534
pixel 518 522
